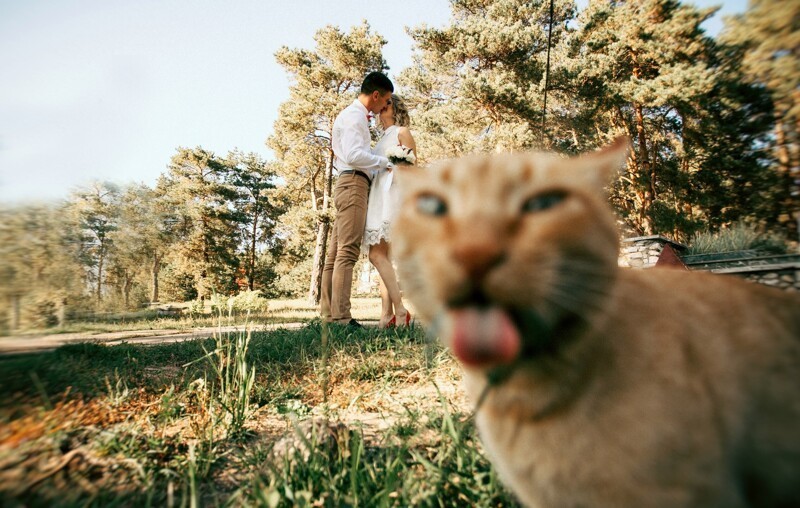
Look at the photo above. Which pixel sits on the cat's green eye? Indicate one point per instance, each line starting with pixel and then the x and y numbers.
pixel 429 204
pixel 543 201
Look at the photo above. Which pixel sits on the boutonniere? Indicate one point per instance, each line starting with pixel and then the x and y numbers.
pixel 401 155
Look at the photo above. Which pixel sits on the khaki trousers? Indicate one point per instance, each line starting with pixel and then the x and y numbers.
pixel 350 198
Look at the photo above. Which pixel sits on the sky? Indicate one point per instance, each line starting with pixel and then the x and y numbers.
pixel 109 89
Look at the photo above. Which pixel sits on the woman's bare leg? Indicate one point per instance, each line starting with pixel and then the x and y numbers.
pixel 387 310
pixel 379 257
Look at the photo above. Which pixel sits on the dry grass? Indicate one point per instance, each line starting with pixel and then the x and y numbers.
pixel 381 421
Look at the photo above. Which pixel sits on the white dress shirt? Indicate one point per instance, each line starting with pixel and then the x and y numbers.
pixel 351 141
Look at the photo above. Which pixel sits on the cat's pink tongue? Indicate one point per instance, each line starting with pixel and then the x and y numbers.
pixel 483 337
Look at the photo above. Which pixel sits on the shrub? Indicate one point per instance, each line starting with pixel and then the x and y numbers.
pixel 38 311
pixel 249 301
pixel 738 237
pixel 219 304
pixel 176 284
pixel 196 308
pixel 246 302
pixel 294 282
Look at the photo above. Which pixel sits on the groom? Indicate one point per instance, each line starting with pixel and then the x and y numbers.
pixel 354 163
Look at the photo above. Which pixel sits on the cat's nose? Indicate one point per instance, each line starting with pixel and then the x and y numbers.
pixel 478 257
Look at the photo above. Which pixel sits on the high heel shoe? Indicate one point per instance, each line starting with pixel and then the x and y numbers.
pixel 392 322
pixel 408 319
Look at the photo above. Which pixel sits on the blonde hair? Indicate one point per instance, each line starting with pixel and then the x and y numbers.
pixel 401 117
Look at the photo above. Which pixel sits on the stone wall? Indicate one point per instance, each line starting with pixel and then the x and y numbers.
pixel 645 251
pixel 782 277
pixel 781 271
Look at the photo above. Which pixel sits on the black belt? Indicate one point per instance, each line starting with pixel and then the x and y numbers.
pixel 353 171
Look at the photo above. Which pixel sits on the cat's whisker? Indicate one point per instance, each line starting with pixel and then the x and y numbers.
pixel 595 290
pixel 579 275
pixel 596 287
pixel 579 280
pixel 574 308
pixel 575 289
pixel 584 294
pixel 572 292
pixel 566 300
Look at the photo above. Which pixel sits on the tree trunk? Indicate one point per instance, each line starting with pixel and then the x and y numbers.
pixel 15 311
pixel 784 159
pixel 126 288
pixel 626 199
pixel 61 312
pixel 251 270
pixel 320 251
pixel 202 284
pixel 156 269
pixel 647 194
pixel 789 214
pixel 100 275
pixel 323 231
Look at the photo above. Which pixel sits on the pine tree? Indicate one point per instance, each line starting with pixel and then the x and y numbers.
pixel 143 239
pixel 648 70
pixel 95 210
pixel 207 223
pixel 768 37
pixel 254 179
pixel 724 164
pixel 478 84
pixel 324 82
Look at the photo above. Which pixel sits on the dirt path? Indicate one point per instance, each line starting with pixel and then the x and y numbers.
pixel 12 345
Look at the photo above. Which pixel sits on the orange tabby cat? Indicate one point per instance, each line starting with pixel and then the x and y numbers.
pixel 604 386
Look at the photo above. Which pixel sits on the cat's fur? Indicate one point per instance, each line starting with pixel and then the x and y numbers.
pixel 611 387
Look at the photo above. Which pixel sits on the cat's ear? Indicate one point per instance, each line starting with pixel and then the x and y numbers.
pixel 606 163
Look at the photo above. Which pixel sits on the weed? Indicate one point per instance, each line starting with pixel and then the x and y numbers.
pixel 294 407
pixel 170 406
pixel 42 391
pixel 117 393
pixel 233 377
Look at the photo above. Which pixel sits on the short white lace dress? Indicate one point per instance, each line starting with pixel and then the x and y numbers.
pixel 384 200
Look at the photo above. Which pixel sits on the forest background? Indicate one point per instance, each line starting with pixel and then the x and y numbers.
pixel 714 124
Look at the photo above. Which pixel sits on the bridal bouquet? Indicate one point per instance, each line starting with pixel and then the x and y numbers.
pixel 400 155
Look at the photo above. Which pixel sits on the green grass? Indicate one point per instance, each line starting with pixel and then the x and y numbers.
pixel 280 311
pixel 738 237
pixel 84 368
pixel 153 424
pixel 345 469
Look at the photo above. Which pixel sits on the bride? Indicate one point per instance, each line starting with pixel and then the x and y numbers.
pixel 382 209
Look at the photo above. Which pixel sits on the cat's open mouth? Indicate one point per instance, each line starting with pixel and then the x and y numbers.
pixel 485 334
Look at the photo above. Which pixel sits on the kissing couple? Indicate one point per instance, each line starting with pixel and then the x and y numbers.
pixel 366 199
